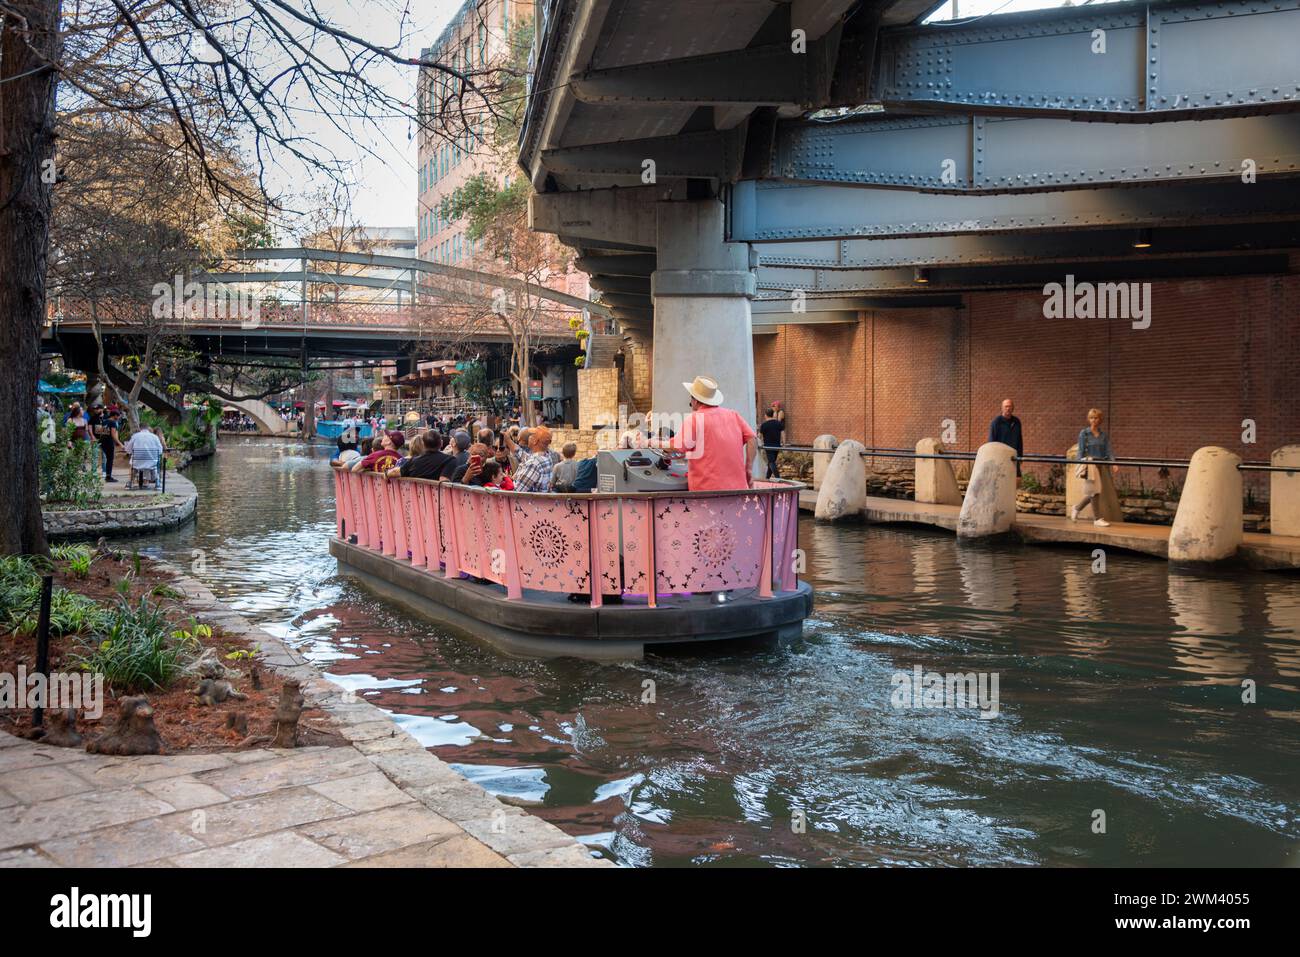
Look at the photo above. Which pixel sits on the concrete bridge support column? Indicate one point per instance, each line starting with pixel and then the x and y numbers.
pixel 1207 527
pixel 989 507
pixel 1284 492
pixel 702 324
pixel 936 484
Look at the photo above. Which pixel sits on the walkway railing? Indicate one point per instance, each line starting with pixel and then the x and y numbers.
pixel 651 544
pixel 891 453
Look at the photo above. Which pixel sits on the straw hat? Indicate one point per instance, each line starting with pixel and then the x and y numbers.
pixel 704 390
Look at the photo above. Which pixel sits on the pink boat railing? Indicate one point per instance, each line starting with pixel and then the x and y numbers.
pixel 594 543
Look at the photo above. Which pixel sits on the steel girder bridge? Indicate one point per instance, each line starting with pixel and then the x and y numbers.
pixel 866 159
pixel 406 306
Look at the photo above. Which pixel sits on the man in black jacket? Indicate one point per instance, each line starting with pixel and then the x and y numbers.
pixel 1006 429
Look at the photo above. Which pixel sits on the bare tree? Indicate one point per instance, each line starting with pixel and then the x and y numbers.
pixel 221 70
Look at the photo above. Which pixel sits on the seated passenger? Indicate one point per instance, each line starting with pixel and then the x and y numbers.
pixel 430 462
pixel 494 477
pixel 348 453
pixel 384 457
pixel 536 469
pixel 566 472
pixel 472 473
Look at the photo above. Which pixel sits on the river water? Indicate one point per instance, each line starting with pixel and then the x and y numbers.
pixel 1121 736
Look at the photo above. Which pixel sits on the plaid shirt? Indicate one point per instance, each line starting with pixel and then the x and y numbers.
pixel 535 472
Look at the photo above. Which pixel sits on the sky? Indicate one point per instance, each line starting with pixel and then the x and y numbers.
pixel 383 161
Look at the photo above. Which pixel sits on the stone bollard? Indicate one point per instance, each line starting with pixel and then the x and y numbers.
pixel 821 460
pixel 843 493
pixel 989 507
pixel 1107 503
pixel 1207 527
pixel 1284 493
pixel 936 483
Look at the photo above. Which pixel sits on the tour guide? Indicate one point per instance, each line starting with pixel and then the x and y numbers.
pixel 718 442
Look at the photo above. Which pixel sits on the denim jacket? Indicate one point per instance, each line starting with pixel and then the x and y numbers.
pixel 1096 447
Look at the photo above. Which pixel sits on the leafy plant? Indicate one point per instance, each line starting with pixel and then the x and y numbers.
pixel 20 595
pixel 1029 482
pixel 80 565
pixel 68 472
pixel 135 649
pixel 67 551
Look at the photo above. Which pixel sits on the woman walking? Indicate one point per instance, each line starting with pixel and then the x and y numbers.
pixel 1094 445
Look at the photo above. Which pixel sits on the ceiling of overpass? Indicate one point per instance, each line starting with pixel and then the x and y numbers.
pixel 1001 95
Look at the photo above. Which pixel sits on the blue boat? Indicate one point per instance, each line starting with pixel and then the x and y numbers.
pixel 333 429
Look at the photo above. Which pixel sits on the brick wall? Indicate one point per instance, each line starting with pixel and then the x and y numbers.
pixel 1219 350
pixel 584 439
pixel 597 397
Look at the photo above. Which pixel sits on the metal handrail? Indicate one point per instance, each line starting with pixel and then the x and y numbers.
pixel 889 453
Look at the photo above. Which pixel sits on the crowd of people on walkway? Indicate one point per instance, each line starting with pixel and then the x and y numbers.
pixel 103 425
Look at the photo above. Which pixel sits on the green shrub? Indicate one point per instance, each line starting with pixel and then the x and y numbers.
pixel 68 471
pixel 20 596
pixel 20 589
pixel 135 650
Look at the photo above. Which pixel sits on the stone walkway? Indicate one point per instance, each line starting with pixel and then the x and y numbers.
pixel 380 801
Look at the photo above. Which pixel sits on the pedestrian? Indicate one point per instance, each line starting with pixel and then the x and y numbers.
pixel 77 420
pixel 719 444
pixel 771 431
pixel 1094 446
pixel 1006 428
pixel 104 426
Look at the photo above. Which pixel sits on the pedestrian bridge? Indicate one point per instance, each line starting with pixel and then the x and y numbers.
pixel 291 301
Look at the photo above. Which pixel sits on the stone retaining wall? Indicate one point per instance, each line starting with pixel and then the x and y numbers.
pixel 109 522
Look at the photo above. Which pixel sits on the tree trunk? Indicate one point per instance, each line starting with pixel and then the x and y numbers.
pixel 133 397
pixel 109 388
pixel 27 92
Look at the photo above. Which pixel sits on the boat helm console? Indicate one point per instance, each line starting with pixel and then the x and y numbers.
pixel 640 470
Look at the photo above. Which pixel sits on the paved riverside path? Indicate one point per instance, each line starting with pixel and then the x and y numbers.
pixel 1259 549
pixel 380 800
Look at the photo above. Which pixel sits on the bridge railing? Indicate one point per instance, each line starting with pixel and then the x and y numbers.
pixel 650 544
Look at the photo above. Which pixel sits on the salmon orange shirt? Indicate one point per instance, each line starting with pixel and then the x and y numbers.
pixel 714 441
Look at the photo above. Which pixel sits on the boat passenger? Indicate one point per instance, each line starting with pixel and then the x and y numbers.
pixel 566 472
pixel 536 469
pixel 718 442
pixel 494 476
pixel 384 457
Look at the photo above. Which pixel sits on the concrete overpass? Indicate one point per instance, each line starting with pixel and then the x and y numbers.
pixel 724 167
